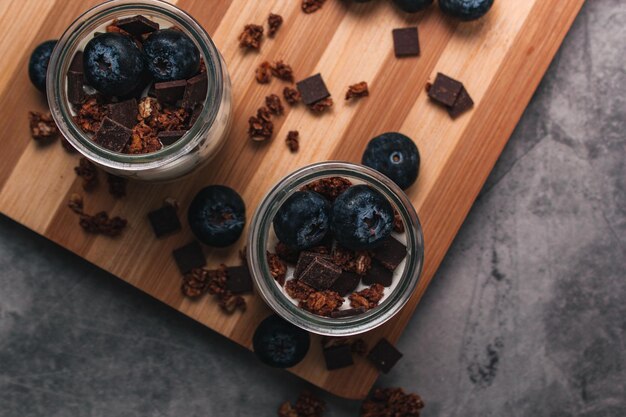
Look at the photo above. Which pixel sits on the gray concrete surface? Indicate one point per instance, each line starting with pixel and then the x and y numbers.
pixel 527 316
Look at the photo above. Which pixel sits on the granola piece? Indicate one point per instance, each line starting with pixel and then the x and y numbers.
pixel 298 290
pixel 362 263
pixel 75 203
pixel 354 261
pixel 357 90
pixel 392 402
pixel 274 21
pixel 117 185
pixel 310 6
pixel 274 105
pixel 322 302
pixel 329 187
pixel 148 107
pixel 367 298
pixel 88 172
pixel 230 303
pixel 251 37
pixel 398 224
pixel 308 405
pixel 263 73
pixel 101 223
pixel 144 139
pixel 277 268
pixel 42 126
pixel 200 281
pixel 90 115
pixel 260 128
pixel 195 283
pixel 171 120
pixel 322 105
pixel 292 141
pixel 282 71
pixel 285 253
pixel 287 410
pixel 291 95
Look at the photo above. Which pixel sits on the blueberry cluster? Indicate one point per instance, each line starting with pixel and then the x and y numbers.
pixel 460 9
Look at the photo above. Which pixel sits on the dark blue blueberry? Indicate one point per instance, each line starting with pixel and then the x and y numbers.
pixel 113 64
pixel 361 218
pixel 395 156
pixel 412 6
pixel 38 64
pixel 303 220
pixel 217 216
pixel 171 55
pixel 280 344
pixel 466 9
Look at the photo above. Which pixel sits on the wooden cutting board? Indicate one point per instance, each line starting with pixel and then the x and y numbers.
pixel 500 59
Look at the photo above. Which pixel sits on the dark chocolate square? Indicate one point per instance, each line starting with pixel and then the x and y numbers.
pixel 305 259
pixel 445 90
pixel 169 137
pixel 321 274
pixel 346 283
pixel 164 221
pixel 239 280
pixel 75 92
pixel 195 91
pixel 463 103
pixel 384 356
pixel 170 91
pixel 338 357
pixel 124 112
pixel 137 25
pixel 406 42
pixel 77 63
pixel 390 253
pixel 340 314
pixel 189 257
pixel 378 274
pixel 112 135
pixel 312 89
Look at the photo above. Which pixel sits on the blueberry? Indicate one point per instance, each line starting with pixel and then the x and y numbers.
pixel 466 9
pixel 113 64
pixel 38 64
pixel 171 55
pixel 412 6
pixel 303 220
pixel 361 218
pixel 395 156
pixel 280 344
pixel 217 216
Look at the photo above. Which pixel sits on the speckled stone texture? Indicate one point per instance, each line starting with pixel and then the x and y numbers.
pixel 526 317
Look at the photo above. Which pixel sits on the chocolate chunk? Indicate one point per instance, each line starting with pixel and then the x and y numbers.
pixel 445 90
pixel 305 259
pixel 321 274
pixel 384 356
pixel 169 137
pixel 313 89
pixel 77 63
pixel 189 257
pixel 338 357
pixel 239 279
pixel 170 91
pixel 112 135
pixel 463 103
pixel 137 25
pixel 390 253
pixel 406 42
pixel 195 91
pixel 124 112
pixel 378 274
pixel 164 221
pixel 195 115
pixel 75 92
pixel 346 283
pixel 339 314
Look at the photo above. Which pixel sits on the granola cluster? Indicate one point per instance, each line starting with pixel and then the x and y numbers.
pixel 317 302
pixel 42 126
pixel 274 105
pixel 354 261
pixel 200 281
pixel 357 90
pixel 260 127
pixel 274 22
pixel 88 172
pixel 306 405
pixel 101 223
pixel 292 140
pixel 90 115
pixel 263 73
pixel 329 187
pixel 367 298
pixel 322 105
pixel 282 71
pixel 389 402
pixel 291 95
pixel 251 37
pixel 310 6
pixel 277 268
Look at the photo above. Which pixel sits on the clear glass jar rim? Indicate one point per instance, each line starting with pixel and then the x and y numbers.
pixel 61 59
pixel 278 301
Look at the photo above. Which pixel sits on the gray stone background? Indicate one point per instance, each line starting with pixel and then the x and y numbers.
pixel 526 317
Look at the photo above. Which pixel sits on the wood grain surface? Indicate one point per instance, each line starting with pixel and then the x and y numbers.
pixel 500 59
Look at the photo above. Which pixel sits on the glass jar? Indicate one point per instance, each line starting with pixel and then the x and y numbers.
pixel 272 293
pixel 196 147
